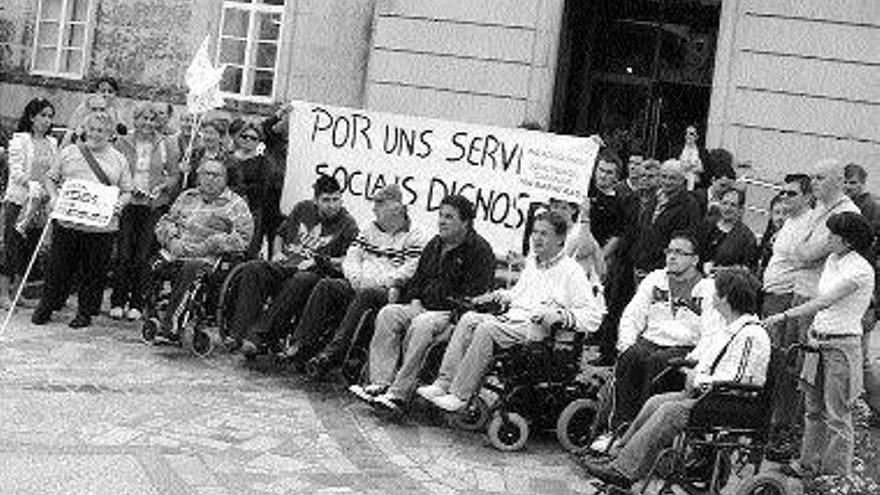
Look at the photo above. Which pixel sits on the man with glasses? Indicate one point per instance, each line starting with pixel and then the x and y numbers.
pixel 664 320
pixel 203 223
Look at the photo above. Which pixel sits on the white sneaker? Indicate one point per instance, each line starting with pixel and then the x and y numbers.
pixel 133 314
pixel 388 403
pixel 431 391
pixel 448 402
pixel 116 313
pixel 367 393
pixel 602 443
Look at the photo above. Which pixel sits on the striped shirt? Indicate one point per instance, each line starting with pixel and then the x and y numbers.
pixel 380 259
pixel 739 353
pixel 206 228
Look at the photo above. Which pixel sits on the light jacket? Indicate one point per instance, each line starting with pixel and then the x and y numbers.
pixel 379 259
pixel 163 168
pixel 740 353
pixel 21 161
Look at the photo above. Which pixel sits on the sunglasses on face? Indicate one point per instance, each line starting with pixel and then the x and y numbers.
pixel 788 194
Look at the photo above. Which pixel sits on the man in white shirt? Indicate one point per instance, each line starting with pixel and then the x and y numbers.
pixel 553 289
pixel 664 320
pixel 739 352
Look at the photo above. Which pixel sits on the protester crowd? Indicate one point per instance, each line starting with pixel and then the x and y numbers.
pixel 656 264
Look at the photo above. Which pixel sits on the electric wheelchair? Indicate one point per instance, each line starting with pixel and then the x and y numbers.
pixel 196 316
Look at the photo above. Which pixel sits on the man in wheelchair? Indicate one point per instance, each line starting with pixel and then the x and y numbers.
pixel 552 290
pixel 203 224
pixel 737 357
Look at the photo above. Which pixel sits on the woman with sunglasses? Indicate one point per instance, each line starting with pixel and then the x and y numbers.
pixel 249 170
pixel 31 151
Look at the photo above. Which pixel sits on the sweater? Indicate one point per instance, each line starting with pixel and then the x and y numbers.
pixel 654 315
pixel 382 259
pixel 197 228
pixel 306 233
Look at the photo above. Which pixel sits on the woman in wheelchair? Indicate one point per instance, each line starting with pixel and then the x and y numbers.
pixel 737 354
pixel 552 290
pixel 203 224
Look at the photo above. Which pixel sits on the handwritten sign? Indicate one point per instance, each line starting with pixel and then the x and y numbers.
pixel 501 170
pixel 86 203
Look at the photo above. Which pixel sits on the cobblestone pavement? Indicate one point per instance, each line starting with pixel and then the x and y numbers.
pixel 96 411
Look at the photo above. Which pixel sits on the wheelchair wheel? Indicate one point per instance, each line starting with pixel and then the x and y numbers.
pixel 196 340
pixel 508 432
pixel 473 417
pixel 226 298
pixel 575 425
pixel 770 483
pixel 149 329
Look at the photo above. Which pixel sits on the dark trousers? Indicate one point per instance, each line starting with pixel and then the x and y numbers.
pixel 136 244
pixel 788 399
pixel 257 282
pixel 332 313
pixel 253 250
pixel 77 252
pixel 17 248
pixel 619 290
pixel 286 306
pixel 636 369
pixel 184 274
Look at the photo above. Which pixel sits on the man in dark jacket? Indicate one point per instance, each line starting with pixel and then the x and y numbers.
pixel 456 263
pixel 671 209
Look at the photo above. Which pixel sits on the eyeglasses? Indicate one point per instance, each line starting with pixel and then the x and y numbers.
pixel 788 194
pixel 678 252
pixel 250 137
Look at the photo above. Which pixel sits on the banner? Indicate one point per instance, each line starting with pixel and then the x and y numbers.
pixel 86 203
pixel 503 171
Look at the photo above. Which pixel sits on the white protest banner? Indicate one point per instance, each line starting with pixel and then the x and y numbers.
pixel 503 171
pixel 86 203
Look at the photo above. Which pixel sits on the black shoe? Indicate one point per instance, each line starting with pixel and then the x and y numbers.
pixel 41 316
pixel 608 474
pixel 80 321
pixel 318 366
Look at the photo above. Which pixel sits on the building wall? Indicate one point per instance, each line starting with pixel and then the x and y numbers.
pixel 490 62
pixel 796 81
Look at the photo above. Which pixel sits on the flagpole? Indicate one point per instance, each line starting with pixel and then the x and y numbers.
pixel 24 278
pixel 187 155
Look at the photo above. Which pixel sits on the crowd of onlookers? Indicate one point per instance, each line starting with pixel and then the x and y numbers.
pixel 657 264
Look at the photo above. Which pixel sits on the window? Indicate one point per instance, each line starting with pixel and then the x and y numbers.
pixel 61 37
pixel 250 39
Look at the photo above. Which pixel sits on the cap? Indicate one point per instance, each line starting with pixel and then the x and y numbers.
pixel 391 192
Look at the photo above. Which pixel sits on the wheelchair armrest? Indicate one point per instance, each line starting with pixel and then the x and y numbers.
pixel 681 362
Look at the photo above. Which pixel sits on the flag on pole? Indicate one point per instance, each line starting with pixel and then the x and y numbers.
pixel 203 81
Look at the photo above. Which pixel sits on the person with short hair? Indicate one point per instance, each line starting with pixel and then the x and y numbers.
pixel 101 99
pixel 78 249
pixel 252 168
pixel 154 174
pixel 727 241
pixel 376 267
pixel 738 350
pixel 211 146
pixel 31 153
pixel 553 289
pixel 456 263
pixel 203 224
pixel 310 246
pixel 832 379
pixel 667 317
pixel 671 209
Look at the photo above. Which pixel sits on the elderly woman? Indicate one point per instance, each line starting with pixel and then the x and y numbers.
pixel 79 249
pixel 152 162
pixel 727 241
pixel 31 152
pixel 250 168
pixel 832 378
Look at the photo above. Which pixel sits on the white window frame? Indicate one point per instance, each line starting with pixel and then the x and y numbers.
pixel 64 26
pixel 253 9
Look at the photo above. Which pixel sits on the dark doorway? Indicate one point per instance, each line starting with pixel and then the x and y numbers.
pixel 636 72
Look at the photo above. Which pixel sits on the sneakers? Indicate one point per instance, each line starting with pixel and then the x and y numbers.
pixel 602 444
pixel 133 314
pixel 116 312
pixel 448 402
pixel 367 393
pixel 429 392
pixel 388 403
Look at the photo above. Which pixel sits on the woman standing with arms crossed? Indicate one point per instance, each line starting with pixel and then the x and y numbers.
pixel 31 152
pixel 78 249
pixel 152 165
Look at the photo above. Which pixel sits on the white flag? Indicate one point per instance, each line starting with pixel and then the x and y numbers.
pixel 203 81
